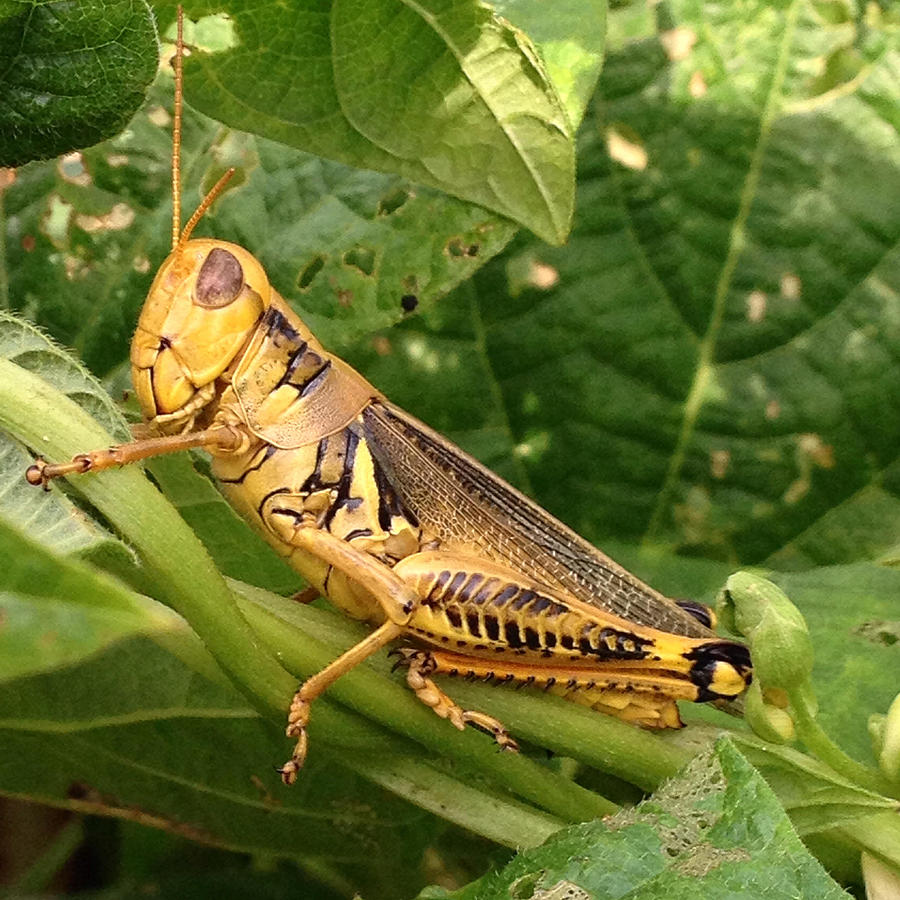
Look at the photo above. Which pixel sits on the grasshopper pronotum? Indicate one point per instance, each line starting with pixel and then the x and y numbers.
pixel 387 518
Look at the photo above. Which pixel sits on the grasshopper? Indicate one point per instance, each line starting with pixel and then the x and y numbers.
pixel 387 518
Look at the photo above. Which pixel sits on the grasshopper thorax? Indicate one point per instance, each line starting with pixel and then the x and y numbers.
pixel 203 306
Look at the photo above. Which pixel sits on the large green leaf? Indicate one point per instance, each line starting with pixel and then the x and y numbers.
pixel 444 93
pixel 72 73
pixel 181 753
pixel 57 612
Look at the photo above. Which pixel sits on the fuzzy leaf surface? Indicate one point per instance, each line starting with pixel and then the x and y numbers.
pixel 72 73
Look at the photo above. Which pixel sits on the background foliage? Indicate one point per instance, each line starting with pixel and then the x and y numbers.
pixel 705 376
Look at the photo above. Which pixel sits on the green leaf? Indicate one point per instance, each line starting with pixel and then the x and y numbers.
pixel 716 831
pixel 53 520
pixel 854 674
pixel 55 612
pixel 443 93
pixel 73 73
pixel 26 346
pixel 132 732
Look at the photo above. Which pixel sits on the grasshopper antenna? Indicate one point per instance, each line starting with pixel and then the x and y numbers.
pixel 176 128
pixel 205 204
pixel 179 236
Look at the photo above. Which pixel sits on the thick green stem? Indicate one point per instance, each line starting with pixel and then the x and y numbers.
pixel 399 766
pixel 640 757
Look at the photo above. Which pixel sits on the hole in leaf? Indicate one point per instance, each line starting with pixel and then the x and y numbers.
pixel 409 302
pixel 361 258
pixel 459 249
pixel 382 345
pixel 880 632
pixel 392 201
pixel 309 272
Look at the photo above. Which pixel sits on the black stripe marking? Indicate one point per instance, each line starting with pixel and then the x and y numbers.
pixel 523 599
pixel 317 378
pixel 275 493
pixel 343 497
pixel 511 631
pixel 485 592
pixel 465 592
pixel 455 584
pixel 278 326
pixel 314 481
pixel 389 502
pixel 267 455
pixel 437 590
pixel 505 595
pixel 294 361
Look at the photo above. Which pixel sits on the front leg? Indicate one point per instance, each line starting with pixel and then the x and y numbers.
pixel 220 438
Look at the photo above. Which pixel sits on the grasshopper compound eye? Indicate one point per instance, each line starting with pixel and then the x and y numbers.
pixel 220 280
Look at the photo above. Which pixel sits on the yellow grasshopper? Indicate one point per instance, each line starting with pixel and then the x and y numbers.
pixel 387 518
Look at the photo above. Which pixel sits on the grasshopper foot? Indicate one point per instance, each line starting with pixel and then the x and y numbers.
pixel 420 665
pixel 298 719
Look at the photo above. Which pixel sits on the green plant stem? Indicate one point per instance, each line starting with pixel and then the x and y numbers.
pixel 397 764
pixel 499 819
pixel 819 744
pixel 56 427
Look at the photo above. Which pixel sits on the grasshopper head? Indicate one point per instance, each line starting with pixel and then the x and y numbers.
pixel 202 308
